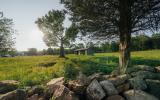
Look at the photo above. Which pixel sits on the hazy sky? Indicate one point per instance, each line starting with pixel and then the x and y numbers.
pixel 24 14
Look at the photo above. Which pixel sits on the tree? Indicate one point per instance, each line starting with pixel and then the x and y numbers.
pixel 109 18
pixel 32 52
pixel 114 46
pixel 6 35
pixel 141 42
pixel 52 26
pixel 156 40
pixel 50 51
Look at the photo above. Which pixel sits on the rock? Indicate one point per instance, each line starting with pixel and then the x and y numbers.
pixel 157 69
pixel 138 83
pixel 33 97
pixel 54 84
pixel 97 76
pixel 140 68
pixel 115 97
pixel 8 85
pixel 63 93
pixel 138 95
pixel 77 87
pixel 35 90
pixel 123 87
pixel 148 75
pixel 153 87
pixel 36 97
pixel 139 80
pixel 115 72
pixel 83 79
pixel 94 91
pixel 119 79
pixel 59 81
pixel 109 88
pixel 105 77
pixel 14 95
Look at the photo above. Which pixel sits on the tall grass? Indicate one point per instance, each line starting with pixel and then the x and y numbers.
pixel 34 70
pixel 27 70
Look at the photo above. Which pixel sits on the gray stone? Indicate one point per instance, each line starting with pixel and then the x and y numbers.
pixel 157 69
pixel 83 79
pixel 119 79
pixel 138 95
pixel 54 84
pixel 153 87
pixel 115 97
pixel 14 95
pixel 97 76
pixel 139 80
pixel 115 72
pixel 35 90
pixel 33 97
pixel 149 75
pixel 109 88
pixel 138 83
pixel 95 91
pixel 136 68
pixel 8 85
pixel 122 88
pixel 63 93
pixel 77 87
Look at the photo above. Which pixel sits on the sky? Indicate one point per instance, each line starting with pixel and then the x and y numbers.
pixel 24 14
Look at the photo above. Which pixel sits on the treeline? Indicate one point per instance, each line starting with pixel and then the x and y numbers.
pixel 35 52
pixel 138 43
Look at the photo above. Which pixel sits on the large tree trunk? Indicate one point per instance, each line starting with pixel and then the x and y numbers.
pixel 62 54
pixel 125 35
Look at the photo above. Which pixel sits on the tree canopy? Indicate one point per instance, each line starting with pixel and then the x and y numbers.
pixel 6 34
pixel 52 26
pixel 115 18
pixel 101 18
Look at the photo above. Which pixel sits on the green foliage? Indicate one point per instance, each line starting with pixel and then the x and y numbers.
pixel 72 32
pixel 156 41
pixel 32 51
pixel 101 18
pixel 6 35
pixel 138 43
pixel 52 26
pixel 53 98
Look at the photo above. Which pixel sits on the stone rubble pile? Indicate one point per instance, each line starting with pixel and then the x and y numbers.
pixel 140 82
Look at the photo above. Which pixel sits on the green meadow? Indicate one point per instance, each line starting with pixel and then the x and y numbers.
pixel 33 70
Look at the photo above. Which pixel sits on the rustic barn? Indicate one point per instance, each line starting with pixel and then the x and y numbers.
pixel 84 51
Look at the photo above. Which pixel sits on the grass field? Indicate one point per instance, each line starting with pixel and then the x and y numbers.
pixel 39 69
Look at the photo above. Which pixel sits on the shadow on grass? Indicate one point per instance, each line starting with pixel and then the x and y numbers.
pixel 95 64
pixel 143 61
pixel 134 60
pixel 88 66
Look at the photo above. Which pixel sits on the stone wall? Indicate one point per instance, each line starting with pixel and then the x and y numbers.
pixel 139 83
